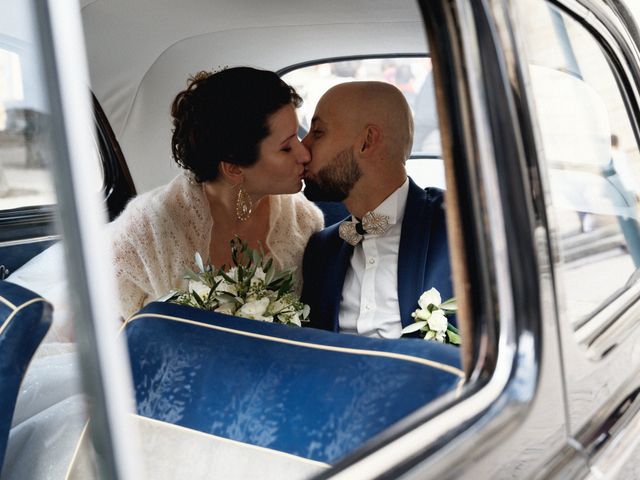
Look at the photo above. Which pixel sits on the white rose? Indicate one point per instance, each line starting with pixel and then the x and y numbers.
pixel 228 308
pixel 202 289
pixel 253 309
pixel 438 321
pixel 430 297
pixel 258 277
pixel 225 286
pixel 277 306
pixel 232 273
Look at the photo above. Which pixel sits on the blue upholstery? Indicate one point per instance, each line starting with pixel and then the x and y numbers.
pixel 24 321
pixel 16 255
pixel 306 392
pixel 333 212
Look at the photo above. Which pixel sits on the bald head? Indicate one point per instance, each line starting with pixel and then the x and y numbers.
pixel 359 104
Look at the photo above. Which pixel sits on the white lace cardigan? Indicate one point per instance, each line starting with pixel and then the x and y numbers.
pixel 155 238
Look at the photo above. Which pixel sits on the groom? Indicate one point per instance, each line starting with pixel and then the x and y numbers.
pixel 365 275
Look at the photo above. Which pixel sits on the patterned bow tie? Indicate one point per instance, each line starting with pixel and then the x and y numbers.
pixel 372 223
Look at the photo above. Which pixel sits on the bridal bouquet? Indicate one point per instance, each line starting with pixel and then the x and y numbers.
pixel 431 318
pixel 251 288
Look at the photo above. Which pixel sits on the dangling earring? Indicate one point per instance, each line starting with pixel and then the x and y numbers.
pixel 244 205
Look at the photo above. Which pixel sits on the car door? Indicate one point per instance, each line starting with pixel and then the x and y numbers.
pixel 585 71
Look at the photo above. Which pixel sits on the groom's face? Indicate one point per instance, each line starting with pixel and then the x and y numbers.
pixel 334 169
pixel 333 182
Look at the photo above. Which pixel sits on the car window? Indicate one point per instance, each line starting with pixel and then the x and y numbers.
pixel 25 177
pixel 412 75
pixel 591 164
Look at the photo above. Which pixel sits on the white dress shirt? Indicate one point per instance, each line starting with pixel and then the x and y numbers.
pixel 369 303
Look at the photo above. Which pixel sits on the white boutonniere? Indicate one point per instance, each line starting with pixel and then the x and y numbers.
pixel 251 288
pixel 431 318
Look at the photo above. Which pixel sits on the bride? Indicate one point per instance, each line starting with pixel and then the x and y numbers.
pixel 235 135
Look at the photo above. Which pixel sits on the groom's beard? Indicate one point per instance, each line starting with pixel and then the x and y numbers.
pixel 334 181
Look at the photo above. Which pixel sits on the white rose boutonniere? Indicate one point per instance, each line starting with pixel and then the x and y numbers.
pixel 251 288
pixel 431 318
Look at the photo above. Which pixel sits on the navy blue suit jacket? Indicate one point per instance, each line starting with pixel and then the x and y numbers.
pixel 423 261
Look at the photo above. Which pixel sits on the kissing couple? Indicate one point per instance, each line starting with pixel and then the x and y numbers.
pixel 235 133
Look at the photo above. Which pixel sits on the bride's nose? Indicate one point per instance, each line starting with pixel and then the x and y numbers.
pixel 302 154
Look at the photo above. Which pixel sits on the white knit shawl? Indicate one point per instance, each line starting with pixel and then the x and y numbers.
pixel 155 239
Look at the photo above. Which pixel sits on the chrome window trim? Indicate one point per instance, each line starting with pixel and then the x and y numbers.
pixel 319 61
pixel 28 241
pixel 105 374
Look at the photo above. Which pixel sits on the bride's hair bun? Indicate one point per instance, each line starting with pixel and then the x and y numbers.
pixel 223 116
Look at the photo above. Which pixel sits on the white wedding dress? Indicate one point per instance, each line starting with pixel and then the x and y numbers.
pixel 50 410
pixel 50 413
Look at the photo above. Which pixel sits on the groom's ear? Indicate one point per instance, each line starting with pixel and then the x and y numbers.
pixel 370 139
pixel 232 172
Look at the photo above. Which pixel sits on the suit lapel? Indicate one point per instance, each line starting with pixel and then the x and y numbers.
pixel 412 257
pixel 331 269
pixel 340 265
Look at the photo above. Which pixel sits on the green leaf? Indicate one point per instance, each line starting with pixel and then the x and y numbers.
pixel 453 337
pixel 199 263
pixel 191 275
pixel 198 299
pixel 256 258
pixel 268 265
pixel 450 305
pixel 227 277
pixel 225 297
pixel 414 327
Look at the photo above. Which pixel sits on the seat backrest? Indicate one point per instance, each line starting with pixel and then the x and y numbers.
pixel 25 318
pixel 305 392
pixel 333 212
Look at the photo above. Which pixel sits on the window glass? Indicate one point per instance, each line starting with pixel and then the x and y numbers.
pixel 591 158
pixel 412 75
pixel 25 179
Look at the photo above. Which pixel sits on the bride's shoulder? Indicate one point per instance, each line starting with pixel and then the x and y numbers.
pixel 302 209
pixel 144 212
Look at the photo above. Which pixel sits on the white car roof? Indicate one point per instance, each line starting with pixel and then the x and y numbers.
pixel 142 51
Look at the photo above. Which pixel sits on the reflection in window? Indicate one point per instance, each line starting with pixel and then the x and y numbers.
pixel 24 179
pixel 592 162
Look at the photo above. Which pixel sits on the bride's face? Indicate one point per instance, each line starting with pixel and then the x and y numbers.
pixel 281 160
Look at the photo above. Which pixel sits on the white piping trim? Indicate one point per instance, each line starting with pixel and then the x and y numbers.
pixel 373 353
pixel 7 302
pixel 17 310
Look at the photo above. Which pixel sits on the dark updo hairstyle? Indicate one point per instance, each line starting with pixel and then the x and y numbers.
pixel 222 116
